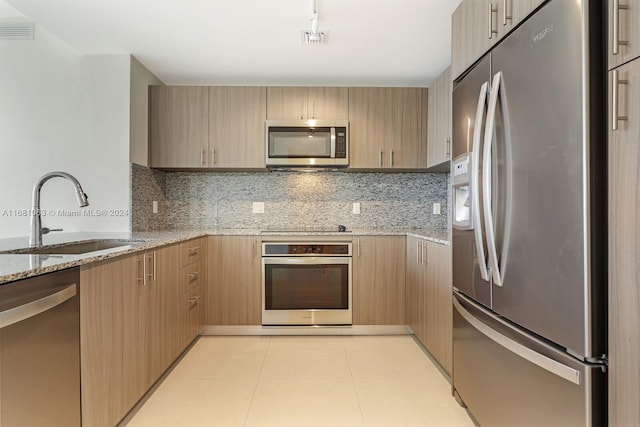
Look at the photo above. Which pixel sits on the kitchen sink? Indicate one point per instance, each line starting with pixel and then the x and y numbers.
pixel 75 248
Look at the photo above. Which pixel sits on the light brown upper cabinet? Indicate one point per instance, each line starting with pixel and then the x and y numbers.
pixel 385 128
pixel 236 127
pixel 296 103
pixel 624 31
pixel 207 127
pixel 179 126
pixel 439 123
pixel 476 25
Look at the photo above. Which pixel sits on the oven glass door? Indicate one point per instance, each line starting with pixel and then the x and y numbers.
pixel 296 142
pixel 307 290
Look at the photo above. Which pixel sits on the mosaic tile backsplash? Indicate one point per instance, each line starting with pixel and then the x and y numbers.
pixel 194 200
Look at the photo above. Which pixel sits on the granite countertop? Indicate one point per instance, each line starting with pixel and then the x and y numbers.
pixel 20 266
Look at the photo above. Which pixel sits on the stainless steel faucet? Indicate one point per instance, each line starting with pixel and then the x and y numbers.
pixel 36 223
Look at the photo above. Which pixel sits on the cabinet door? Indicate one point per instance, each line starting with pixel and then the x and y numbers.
pixel 236 127
pixel 411 284
pixel 367 125
pixel 474 29
pixel 284 103
pixel 234 294
pixel 512 12
pixel 407 150
pixel 163 303
pixel 439 123
pixel 624 31
pixel 328 103
pixel 624 250
pixel 384 128
pixel 109 365
pixel 379 281
pixel 438 302
pixel 179 126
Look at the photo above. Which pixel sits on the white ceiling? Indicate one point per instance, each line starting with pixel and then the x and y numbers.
pixel 257 42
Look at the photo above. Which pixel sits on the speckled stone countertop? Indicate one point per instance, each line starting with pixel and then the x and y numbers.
pixel 20 266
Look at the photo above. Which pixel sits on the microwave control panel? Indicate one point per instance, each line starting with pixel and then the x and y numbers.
pixel 341 142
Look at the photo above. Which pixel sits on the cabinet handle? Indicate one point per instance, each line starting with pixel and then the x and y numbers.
pixel 152 274
pixel 448 148
pixel 425 254
pixel 390 157
pixel 504 13
pixel 142 279
pixel 614 100
pixel 617 7
pixel 491 12
pixel 313 115
pixel 193 300
pixel 419 257
pixel 213 156
pixel 194 250
pixel 193 276
pixel 202 159
pixel 380 157
pixel 358 247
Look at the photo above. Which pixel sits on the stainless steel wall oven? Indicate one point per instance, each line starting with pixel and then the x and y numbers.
pixel 306 283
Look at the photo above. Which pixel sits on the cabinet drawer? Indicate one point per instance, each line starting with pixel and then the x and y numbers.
pixel 191 251
pixel 190 316
pixel 190 276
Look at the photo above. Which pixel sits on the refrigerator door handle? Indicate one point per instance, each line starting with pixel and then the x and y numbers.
pixel 475 188
pixel 486 179
pixel 556 368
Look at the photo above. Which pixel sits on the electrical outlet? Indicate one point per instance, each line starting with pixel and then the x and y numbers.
pixel 356 208
pixel 258 207
pixel 155 206
pixel 436 209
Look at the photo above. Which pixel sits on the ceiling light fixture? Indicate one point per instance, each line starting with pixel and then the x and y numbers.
pixel 314 36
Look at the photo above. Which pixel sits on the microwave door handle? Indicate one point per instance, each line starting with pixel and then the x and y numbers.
pixel 474 178
pixel 333 142
pixel 486 179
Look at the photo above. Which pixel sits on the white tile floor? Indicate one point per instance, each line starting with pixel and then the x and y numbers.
pixel 303 381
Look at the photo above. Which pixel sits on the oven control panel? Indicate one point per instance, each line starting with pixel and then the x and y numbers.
pixel 306 249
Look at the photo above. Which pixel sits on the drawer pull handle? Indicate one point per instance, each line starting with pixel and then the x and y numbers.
pixel 193 276
pixel 193 300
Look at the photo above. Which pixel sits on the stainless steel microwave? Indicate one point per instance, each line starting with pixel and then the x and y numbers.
pixel 307 143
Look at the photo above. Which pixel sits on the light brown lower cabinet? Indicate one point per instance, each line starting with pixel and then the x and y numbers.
pixel 192 284
pixel 624 243
pixel 234 281
pixel 128 331
pixel 429 305
pixel 379 280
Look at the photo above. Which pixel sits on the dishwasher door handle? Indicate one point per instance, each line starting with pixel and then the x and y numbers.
pixel 26 311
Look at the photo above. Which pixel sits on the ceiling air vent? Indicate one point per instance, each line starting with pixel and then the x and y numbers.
pixel 311 38
pixel 16 30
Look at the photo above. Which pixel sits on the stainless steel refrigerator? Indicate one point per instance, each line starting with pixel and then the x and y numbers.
pixel 529 247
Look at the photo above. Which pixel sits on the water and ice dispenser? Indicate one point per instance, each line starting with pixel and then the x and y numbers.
pixel 461 192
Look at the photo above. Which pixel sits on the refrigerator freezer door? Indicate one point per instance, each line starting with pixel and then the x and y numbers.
pixel 540 179
pixel 467 274
pixel 507 378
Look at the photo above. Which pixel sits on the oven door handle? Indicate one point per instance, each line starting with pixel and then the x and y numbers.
pixel 33 308
pixel 306 260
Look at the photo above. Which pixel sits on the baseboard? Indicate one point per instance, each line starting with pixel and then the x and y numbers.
pixel 307 330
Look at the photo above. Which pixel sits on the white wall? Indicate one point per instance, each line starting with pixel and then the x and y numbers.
pixel 60 110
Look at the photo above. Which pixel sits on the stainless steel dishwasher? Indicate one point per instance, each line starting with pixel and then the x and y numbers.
pixel 40 351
